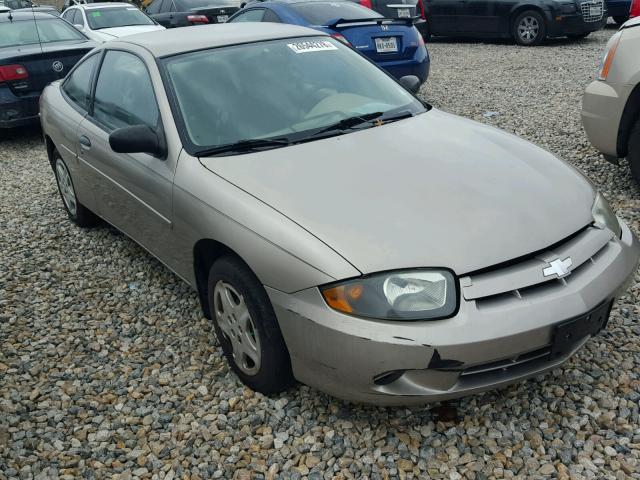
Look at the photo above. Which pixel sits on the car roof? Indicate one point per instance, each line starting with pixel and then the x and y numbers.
pixel 290 2
pixel 25 15
pixel 179 40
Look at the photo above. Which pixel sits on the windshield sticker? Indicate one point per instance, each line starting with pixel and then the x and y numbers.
pixel 311 46
pixel 95 14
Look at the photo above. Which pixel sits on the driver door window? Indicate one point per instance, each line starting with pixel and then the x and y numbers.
pixel 124 93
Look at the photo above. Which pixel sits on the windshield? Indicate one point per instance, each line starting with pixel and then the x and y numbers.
pixel 322 13
pixel 292 87
pixel 23 32
pixel 116 17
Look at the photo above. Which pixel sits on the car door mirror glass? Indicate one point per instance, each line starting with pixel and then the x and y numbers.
pixel 136 139
pixel 410 82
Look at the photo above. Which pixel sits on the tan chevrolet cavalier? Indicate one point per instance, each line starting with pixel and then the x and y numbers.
pixel 338 230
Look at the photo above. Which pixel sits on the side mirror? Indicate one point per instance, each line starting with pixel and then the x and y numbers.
pixel 410 82
pixel 136 139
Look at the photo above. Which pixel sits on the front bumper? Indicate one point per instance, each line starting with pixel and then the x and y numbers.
pixel 602 107
pixel 487 345
pixel 560 25
pixel 418 66
pixel 16 111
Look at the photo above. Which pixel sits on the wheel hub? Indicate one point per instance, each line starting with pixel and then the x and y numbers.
pixel 238 328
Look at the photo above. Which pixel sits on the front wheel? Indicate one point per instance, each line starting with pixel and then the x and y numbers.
pixel 247 328
pixel 633 157
pixel 78 213
pixel 529 28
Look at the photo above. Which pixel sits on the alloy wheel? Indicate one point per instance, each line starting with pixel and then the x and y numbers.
pixel 528 29
pixel 237 326
pixel 66 187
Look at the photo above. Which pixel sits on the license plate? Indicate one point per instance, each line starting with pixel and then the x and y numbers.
pixel 223 18
pixel 404 13
pixel 386 44
pixel 595 11
pixel 568 333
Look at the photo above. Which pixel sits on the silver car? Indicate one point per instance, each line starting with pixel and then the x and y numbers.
pixel 337 230
pixel 611 103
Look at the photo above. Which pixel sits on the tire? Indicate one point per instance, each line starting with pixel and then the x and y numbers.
pixel 579 35
pixel 529 28
pixel 620 20
pixel 633 156
pixel 247 328
pixel 78 213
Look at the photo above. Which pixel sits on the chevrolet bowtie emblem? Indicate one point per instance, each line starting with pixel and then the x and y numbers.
pixel 558 267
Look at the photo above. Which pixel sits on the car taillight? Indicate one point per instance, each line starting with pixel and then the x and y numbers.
pixel 366 3
pixel 197 18
pixel 634 11
pixel 337 36
pixel 10 73
pixel 421 7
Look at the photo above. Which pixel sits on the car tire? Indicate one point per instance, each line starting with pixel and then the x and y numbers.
pixel 246 326
pixel 620 20
pixel 77 212
pixel 529 28
pixel 633 155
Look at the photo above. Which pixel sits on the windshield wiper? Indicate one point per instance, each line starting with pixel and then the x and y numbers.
pixel 247 145
pixel 397 116
pixel 349 122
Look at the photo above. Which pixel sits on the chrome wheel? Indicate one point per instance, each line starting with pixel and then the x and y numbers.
pixel 528 29
pixel 66 187
pixel 237 326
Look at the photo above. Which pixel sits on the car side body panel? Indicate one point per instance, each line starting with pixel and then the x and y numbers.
pixel 281 253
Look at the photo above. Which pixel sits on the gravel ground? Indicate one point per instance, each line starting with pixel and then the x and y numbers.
pixel 107 369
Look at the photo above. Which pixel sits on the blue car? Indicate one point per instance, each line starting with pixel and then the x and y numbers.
pixel 395 45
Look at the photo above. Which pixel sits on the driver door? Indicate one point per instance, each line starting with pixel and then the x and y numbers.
pixel 133 191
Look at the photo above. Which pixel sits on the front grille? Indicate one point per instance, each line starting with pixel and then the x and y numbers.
pixel 592 11
pixel 530 358
pixel 525 279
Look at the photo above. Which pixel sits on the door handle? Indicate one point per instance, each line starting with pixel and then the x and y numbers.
pixel 85 143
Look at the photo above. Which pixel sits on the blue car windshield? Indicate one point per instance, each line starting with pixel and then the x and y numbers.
pixel 23 32
pixel 281 88
pixel 323 13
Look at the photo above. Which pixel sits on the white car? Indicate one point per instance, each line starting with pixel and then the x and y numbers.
pixel 105 21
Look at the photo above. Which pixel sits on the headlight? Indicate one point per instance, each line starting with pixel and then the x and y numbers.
pixel 603 215
pixel 403 295
pixel 607 59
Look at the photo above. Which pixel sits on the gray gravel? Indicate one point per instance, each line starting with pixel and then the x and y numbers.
pixel 107 369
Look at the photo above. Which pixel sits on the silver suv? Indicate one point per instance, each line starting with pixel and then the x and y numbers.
pixel 611 103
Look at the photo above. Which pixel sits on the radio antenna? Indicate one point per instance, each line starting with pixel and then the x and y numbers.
pixel 35 23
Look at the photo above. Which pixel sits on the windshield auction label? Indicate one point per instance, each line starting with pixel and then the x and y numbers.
pixel 311 46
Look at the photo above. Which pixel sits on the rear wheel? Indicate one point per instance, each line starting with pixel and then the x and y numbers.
pixel 529 28
pixel 78 213
pixel 633 157
pixel 621 19
pixel 247 328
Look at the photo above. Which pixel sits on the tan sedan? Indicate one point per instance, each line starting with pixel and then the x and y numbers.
pixel 611 103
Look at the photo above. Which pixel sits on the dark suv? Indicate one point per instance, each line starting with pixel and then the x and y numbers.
pixel 528 22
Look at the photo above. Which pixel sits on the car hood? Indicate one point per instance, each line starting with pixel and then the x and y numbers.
pixel 117 32
pixel 433 190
